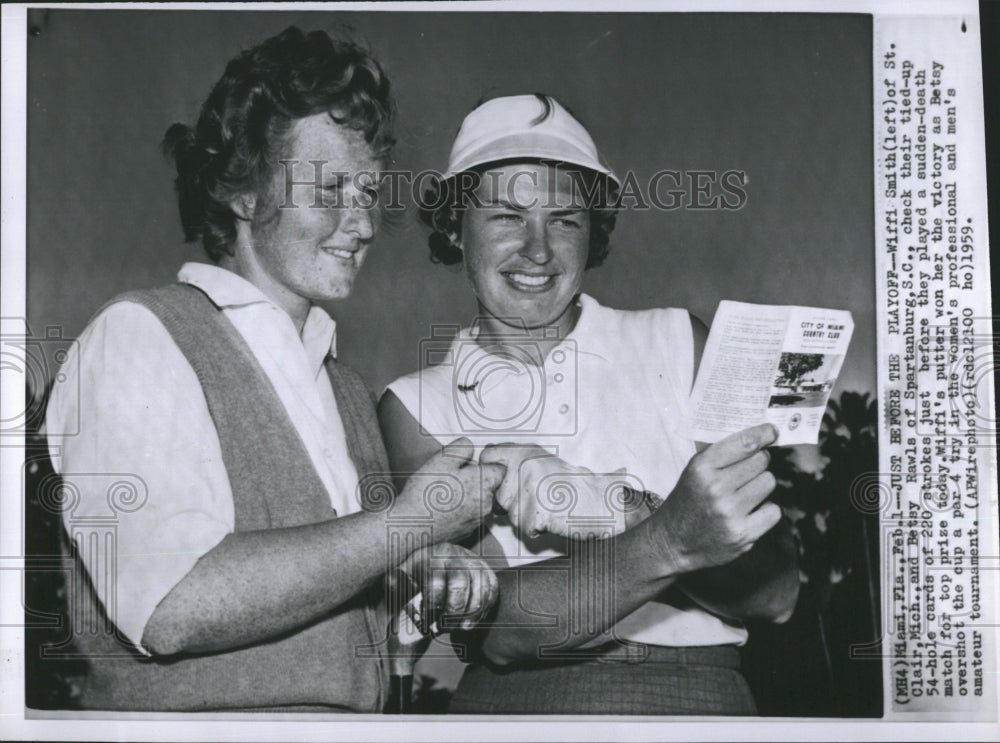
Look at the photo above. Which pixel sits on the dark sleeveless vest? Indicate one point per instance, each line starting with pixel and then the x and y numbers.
pixel 333 664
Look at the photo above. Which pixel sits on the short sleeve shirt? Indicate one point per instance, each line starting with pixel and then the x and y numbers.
pixel 135 407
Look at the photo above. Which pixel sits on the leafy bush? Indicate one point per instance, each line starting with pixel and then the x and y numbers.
pixel 825 660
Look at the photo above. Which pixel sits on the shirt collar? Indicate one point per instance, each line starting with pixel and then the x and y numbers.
pixel 319 335
pixel 231 291
pixel 223 287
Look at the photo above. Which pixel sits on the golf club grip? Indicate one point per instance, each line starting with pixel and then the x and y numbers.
pixel 400 694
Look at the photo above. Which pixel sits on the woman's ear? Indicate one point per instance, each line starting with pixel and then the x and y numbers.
pixel 243 206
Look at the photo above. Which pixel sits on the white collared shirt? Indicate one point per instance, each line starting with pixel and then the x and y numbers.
pixel 612 394
pixel 137 408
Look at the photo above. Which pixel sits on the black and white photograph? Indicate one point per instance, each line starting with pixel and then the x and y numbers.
pixel 357 346
pixel 804 379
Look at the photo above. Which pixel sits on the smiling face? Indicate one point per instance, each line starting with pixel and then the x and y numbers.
pixel 525 238
pixel 305 244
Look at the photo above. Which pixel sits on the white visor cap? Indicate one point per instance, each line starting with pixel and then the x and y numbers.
pixel 522 126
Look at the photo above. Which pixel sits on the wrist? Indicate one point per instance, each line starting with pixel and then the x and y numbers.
pixel 639 505
pixel 665 552
pixel 651 501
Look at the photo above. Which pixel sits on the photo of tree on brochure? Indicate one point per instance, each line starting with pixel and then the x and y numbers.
pixel 804 379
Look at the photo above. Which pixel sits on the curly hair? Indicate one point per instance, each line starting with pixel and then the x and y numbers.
pixel 234 148
pixel 444 203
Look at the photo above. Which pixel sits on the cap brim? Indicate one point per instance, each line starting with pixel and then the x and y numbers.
pixel 529 146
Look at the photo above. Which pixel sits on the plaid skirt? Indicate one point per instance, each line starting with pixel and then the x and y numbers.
pixel 624 679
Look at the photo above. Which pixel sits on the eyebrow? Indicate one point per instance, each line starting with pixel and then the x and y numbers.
pixel 504 203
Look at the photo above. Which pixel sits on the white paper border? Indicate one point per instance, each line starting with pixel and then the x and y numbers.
pixel 136 726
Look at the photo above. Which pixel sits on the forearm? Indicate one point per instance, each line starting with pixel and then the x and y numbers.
pixel 762 584
pixel 259 584
pixel 560 604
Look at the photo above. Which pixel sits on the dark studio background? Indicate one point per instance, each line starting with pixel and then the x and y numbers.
pixel 785 98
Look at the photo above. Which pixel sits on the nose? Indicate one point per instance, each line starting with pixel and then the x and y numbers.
pixel 536 245
pixel 359 221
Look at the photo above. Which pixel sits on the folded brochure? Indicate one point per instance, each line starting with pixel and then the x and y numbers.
pixel 769 363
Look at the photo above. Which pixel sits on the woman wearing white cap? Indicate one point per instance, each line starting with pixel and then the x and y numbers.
pixel 579 400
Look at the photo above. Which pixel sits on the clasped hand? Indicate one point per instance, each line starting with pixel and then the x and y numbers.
pixel 715 513
pixel 541 492
pixel 456 588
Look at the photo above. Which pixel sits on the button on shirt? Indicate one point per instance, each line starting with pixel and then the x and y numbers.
pixel 614 393
pixel 501 390
pixel 140 410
